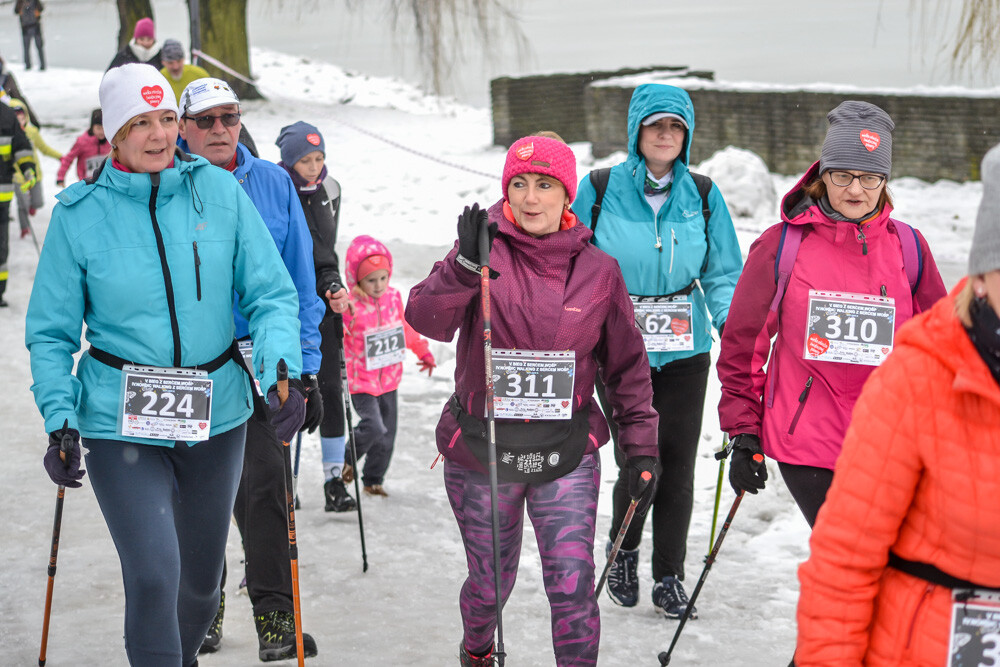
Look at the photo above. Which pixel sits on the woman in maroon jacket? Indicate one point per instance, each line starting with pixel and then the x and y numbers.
pixel 560 313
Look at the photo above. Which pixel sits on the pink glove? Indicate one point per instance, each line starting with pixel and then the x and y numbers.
pixel 426 363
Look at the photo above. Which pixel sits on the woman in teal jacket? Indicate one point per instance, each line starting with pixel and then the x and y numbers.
pixel 147 253
pixel 680 258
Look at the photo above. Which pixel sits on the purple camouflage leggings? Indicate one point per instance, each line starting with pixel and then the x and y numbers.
pixel 563 513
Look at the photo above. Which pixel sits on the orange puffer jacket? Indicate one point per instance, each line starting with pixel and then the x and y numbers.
pixel 919 475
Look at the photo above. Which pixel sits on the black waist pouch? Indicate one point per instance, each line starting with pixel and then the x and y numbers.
pixel 527 451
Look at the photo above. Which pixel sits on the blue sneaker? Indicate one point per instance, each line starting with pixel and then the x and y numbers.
pixel 670 599
pixel 623 578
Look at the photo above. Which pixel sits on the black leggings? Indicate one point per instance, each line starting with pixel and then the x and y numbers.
pixel 808 486
pixel 330 386
pixel 679 398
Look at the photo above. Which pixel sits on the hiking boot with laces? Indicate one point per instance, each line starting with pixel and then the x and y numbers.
pixel 466 659
pixel 337 497
pixel 670 599
pixel 276 636
pixel 375 490
pixel 623 578
pixel 213 640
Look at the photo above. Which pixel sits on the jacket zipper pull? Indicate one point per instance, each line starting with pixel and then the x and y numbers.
pixel 864 240
pixel 884 293
pixel 197 269
pixel 805 392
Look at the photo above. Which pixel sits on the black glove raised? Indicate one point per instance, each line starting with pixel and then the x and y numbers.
pixel 639 488
pixel 469 223
pixel 747 470
pixel 314 404
pixel 64 473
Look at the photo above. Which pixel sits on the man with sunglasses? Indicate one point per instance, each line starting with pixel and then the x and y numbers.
pixel 210 127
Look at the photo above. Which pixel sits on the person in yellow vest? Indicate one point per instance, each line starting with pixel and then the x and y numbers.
pixel 28 201
pixel 15 154
pixel 177 73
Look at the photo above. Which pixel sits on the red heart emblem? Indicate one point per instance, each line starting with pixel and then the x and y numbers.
pixel 870 140
pixel 313 138
pixel 202 425
pixel 525 151
pixel 678 326
pixel 886 350
pixel 152 94
pixel 565 404
pixel 817 345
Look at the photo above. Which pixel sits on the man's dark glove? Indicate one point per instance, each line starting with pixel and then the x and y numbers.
pixel 314 404
pixel 747 470
pixel 469 223
pixel 638 488
pixel 287 419
pixel 64 473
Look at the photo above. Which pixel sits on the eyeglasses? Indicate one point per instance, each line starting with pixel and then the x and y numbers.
pixel 843 179
pixel 208 122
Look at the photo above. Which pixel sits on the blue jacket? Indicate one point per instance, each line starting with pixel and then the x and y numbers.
pixel 272 192
pixel 627 229
pixel 100 266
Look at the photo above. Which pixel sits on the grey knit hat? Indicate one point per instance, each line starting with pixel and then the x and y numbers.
pixel 985 253
pixel 859 139
pixel 172 50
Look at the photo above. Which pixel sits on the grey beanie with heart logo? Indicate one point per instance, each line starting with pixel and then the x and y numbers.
pixel 859 139
pixel 985 253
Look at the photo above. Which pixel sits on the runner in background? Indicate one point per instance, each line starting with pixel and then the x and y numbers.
pixel 32 199
pixel 142 48
pixel 89 150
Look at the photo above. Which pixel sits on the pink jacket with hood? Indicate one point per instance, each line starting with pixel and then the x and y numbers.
pixel 800 408
pixel 370 313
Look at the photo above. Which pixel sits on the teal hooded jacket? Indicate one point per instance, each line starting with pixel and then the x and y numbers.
pixel 628 230
pixel 100 266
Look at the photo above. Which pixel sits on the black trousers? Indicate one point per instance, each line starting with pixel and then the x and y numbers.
pixel 808 486
pixel 261 515
pixel 4 243
pixel 33 33
pixel 679 399
pixel 330 386
pixel 375 434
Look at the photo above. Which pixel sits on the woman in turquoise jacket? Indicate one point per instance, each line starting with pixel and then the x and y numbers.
pixel 678 252
pixel 147 253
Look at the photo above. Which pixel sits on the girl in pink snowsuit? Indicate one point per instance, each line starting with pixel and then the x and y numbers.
pixel 375 338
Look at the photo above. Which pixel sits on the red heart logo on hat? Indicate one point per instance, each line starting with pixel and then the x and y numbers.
pixel 152 94
pixel 313 138
pixel 870 140
pixel 817 345
pixel 525 151
pixel 678 326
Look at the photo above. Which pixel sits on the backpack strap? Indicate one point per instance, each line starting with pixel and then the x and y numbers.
pixel 599 179
pixel 913 260
pixel 788 248
pixel 704 184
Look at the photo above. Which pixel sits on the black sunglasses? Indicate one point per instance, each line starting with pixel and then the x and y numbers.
pixel 208 122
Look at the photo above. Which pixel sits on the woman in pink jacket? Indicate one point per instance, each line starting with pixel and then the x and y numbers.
pixel 560 312
pixel 89 151
pixel 832 313
pixel 375 340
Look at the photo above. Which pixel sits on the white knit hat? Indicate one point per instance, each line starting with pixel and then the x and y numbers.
pixel 130 90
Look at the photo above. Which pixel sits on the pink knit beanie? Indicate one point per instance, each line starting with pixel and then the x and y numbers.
pixel 144 28
pixel 541 155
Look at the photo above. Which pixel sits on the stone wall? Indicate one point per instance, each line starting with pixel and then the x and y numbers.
pixel 939 133
pixel 554 102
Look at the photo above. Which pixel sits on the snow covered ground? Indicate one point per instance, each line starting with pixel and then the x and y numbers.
pixel 404 610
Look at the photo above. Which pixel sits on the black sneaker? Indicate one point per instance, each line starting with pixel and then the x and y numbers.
pixel 623 578
pixel 466 659
pixel 213 640
pixel 670 599
pixel 276 636
pixel 337 497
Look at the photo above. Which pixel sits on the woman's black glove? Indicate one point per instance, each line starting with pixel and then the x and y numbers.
pixel 469 223
pixel 314 404
pixel 64 473
pixel 747 470
pixel 638 488
pixel 287 419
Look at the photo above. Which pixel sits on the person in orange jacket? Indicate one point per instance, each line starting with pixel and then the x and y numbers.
pixel 905 554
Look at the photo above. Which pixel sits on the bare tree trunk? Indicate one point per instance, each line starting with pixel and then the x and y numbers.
pixel 223 27
pixel 129 12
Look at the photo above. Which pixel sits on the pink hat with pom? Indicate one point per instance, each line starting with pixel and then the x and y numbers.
pixel 144 28
pixel 541 155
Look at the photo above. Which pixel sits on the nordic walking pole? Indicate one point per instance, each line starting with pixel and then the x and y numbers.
pixel 664 657
pixel 646 476
pixel 354 452
pixel 34 239
pixel 484 259
pixel 293 549
pixel 295 468
pixel 66 445
pixel 720 456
